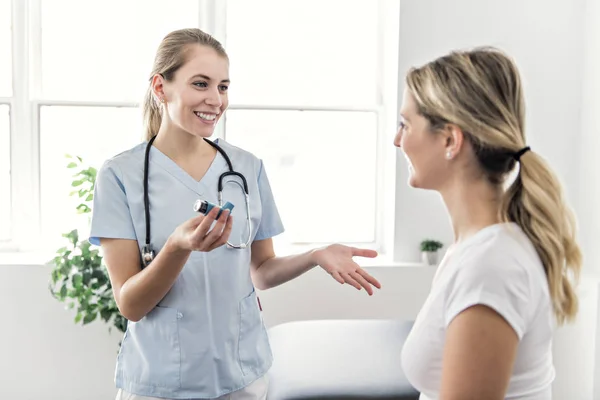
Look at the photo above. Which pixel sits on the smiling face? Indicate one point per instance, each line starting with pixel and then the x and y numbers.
pixel 426 151
pixel 196 96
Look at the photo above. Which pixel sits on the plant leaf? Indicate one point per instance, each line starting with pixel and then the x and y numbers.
pixel 63 291
pixel 77 281
pixel 89 318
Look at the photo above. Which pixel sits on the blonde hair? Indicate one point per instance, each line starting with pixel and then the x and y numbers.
pixel 170 56
pixel 480 91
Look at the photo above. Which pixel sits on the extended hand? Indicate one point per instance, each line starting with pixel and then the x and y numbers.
pixel 336 259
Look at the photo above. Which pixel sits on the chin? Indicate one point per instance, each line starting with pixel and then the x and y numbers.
pixel 412 179
pixel 204 132
pixel 415 182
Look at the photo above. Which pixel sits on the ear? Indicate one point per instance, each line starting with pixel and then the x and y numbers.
pixel 158 87
pixel 453 138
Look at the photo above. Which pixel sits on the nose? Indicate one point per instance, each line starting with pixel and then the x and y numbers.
pixel 398 138
pixel 213 98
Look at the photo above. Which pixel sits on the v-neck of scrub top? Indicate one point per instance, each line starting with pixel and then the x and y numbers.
pixel 207 183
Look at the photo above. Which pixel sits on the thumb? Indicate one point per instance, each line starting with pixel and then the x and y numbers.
pixel 364 252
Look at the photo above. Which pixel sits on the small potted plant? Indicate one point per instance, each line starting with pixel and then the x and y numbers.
pixel 429 251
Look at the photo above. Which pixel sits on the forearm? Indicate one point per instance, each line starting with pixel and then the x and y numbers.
pixel 278 270
pixel 143 291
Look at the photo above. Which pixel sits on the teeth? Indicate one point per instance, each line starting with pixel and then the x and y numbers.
pixel 208 117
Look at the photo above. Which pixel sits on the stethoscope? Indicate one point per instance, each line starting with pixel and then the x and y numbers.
pixel 147 251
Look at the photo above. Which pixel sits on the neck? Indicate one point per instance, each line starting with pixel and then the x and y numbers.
pixel 472 206
pixel 180 145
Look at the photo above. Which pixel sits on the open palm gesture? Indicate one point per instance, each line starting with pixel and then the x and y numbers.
pixel 337 260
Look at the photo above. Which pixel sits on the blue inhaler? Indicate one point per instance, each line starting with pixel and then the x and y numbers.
pixel 204 207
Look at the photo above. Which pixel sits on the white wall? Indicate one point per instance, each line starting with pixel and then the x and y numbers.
pixel 589 173
pixel 589 187
pixel 596 334
pixel 44 355
pixel 545 38
pixel 575 348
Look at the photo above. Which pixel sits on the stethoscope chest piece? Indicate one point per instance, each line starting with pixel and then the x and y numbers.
pixel 147 255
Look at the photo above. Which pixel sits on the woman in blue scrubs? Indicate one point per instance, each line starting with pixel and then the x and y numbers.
pixel 195 330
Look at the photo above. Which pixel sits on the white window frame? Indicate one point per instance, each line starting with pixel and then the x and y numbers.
pixel 26 102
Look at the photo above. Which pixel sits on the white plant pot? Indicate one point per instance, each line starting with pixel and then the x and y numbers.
pixel 429 257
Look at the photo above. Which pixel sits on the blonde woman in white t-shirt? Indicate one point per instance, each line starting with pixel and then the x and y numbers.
pixel 485 330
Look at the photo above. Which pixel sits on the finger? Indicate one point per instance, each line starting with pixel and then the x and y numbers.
pixel 364 252
pixel 228 228
pixel 369 278
pixel 216 232
pixel 195 221
pixel 224 235
pixel 205 224
pixel 363 282
pixel 351 281
pixel 200 237
pixel 336 275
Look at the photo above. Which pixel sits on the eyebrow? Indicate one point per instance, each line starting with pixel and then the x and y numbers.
pixel 208 78
pixel 404 117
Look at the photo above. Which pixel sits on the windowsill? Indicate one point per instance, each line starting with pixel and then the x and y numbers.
pixel 386 262
pixel 24 259
pixel 40 258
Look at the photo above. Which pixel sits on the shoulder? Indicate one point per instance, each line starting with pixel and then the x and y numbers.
pixel 503 254
pixel 116 164
pixel 500 264
pixel 131 155
pixel 241 156
pixel 500 268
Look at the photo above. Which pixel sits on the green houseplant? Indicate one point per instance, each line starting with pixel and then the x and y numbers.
pixel 429 251
pixel 78 277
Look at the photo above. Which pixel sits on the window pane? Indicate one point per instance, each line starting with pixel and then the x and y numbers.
pixel 312 52
pixel 104 50
pixel 322 169
pixel 5 49
pixel 5 197
pixel 90 133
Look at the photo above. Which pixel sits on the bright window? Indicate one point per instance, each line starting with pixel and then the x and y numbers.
pixel 313 178
pixel 5 197
pixel 70 130
pixel 307 98
pixel 5 130
pixel 5 49
pixel 313 94
pixel 303 57
pixel 104 50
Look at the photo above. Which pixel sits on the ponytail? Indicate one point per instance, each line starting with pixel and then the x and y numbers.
pixel 152 115
pixel 535 202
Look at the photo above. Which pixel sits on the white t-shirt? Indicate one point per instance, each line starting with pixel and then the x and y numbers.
pixel 497 267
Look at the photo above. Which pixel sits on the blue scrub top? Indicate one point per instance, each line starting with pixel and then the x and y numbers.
pixel 206 337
